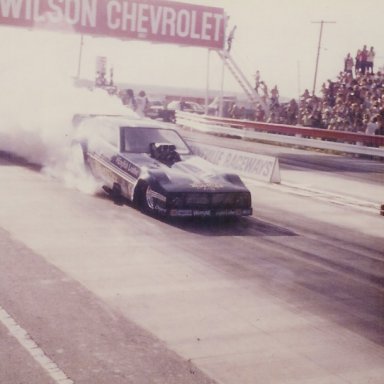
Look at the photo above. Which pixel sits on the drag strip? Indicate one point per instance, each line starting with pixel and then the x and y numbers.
pixel 124 297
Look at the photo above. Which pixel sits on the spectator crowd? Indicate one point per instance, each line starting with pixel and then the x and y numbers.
pixel 353 102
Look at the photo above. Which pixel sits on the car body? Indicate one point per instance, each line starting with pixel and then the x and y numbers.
pixel 151 165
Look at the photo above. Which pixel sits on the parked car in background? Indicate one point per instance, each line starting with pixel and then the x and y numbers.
pixel 186 106
pixel 157 110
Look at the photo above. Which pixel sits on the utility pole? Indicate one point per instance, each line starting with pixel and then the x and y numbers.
pixel 322 22
pixel 80 57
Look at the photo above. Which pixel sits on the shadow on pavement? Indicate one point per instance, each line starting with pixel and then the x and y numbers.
pixel 245 226
pixel 8 159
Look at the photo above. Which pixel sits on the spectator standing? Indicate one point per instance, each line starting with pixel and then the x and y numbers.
pixel 371 126
pixel 257 81
pixel 111 84
pixel 265 90
pixel 100 81
pixel 364 56
pixel 235 112
pixel 128 99
pixel 292 112
pixel 141 104
pixel 370 59
pixel 274 97
pixel 380 124
pixel 305 95
pixel 358 62
pixel 348 64
pixel 230 38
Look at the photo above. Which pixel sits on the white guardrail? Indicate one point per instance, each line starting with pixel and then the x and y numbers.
pixel 200 123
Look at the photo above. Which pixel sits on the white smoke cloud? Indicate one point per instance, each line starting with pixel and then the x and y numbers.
pixel 38 103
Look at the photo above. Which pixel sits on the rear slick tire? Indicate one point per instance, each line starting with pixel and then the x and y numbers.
pixel 116 194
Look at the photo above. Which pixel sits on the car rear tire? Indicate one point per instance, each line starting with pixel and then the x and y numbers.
pixel 116 194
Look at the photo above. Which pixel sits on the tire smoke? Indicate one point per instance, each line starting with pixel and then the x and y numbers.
pixel 36 111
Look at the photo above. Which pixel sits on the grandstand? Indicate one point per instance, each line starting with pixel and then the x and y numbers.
pixel 348 103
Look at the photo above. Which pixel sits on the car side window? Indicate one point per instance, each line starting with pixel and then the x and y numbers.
pixel 109 134
pixel 138 140
pixel 135 140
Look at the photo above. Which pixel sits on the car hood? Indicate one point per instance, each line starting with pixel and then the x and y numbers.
pixel 192 173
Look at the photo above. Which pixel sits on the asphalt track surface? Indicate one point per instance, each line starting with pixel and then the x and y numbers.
pixel 294 294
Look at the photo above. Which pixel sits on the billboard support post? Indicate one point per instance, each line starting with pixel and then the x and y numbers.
pixel 222 88
pixel 207 81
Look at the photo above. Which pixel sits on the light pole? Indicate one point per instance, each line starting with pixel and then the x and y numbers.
pixel 322 22
pixel 80 57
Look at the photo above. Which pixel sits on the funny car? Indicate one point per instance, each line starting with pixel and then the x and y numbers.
pixel 151 165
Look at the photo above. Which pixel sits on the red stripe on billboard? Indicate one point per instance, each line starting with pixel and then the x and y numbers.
pixel 151 20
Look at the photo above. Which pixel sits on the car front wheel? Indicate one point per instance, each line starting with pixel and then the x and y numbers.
pixel 149 204
pixel 144 199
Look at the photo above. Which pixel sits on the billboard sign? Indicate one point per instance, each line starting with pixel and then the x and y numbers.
pixel 160 21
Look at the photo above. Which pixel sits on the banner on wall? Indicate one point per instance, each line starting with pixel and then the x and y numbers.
pixel 252 165
pixel 157 21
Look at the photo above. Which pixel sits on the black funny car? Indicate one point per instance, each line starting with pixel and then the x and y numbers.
pixel 152 166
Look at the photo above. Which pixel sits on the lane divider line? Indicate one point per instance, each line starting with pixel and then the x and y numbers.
pixel 22 336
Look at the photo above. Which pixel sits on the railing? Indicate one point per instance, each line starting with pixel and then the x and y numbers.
pixel 339 141
pixel 241 79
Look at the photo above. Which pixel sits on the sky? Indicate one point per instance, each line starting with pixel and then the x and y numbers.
pixel 277 37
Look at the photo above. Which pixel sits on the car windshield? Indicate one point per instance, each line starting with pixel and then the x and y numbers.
pixel 138 139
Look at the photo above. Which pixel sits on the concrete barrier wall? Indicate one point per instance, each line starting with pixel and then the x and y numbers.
pixel 258 167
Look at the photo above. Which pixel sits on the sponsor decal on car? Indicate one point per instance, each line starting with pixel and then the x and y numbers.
pixel 230 212
pixel 126 166
pixel 206 186
pixel 181 212
pixel 204 213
